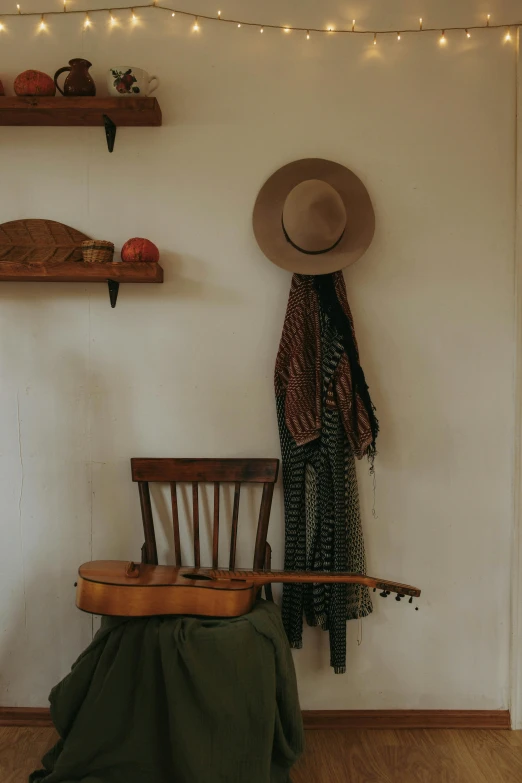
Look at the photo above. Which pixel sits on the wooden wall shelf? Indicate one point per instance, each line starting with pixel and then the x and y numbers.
pixel 81 112
pixel 131 112
pixel 33 250
pixel 81 272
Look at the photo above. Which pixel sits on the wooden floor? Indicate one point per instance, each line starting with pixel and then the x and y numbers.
pixel 411 756
pixel 355 756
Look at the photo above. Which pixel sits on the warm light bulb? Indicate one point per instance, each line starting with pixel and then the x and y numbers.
pixel 2 27
pixel 443 38
pixel 87 22
pixel 353 25
pixel 65 6
pixel 239 25
pixel 195 27
pixel 287 29
pixel 113 19
pixel 134 18
pixel 487 22
pixel 308 35
pixel 508 36
pixel 42 23
pixel 18 8
pixel 330 29
pixel 219 13
pixel 398 36
pixel 261 30
pixel 420 23
pixel 375 39
pixel 173 13
pixel 468 34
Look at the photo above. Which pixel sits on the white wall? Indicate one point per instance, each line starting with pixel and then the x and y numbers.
pixel 186 368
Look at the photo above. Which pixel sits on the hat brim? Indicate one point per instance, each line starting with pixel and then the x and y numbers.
pixel 268 211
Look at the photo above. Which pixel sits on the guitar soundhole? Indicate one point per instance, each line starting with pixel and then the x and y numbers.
pixel 198 577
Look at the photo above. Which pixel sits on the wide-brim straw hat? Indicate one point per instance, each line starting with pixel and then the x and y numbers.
pixel 313 216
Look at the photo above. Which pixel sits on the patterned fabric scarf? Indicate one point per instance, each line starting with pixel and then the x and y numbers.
pixel 326 419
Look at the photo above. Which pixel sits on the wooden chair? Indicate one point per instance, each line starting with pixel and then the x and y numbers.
pixel 213 471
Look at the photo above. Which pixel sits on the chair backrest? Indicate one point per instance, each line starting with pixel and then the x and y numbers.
pixel 194 472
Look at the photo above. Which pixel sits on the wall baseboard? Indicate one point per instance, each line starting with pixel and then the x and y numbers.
pixel 406 719
pixel 25 716
pixel 331 719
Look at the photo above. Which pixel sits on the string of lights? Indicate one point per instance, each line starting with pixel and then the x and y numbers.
pixel 353 29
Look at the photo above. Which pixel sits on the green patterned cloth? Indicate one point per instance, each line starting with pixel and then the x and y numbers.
pixel 323 530
pixel 179 700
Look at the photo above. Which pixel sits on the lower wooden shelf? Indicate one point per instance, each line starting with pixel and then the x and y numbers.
pixel 80 272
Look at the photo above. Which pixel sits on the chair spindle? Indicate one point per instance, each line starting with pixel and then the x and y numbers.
pixel 215 537
pixel 175 522
pixel 235 517
pixel 195 516
pixel 262 525
pixel 149 548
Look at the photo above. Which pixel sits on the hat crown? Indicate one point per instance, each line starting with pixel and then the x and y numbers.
pixel 314 216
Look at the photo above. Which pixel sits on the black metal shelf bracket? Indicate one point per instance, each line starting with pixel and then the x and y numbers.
pixel 110 132
pixel 114 287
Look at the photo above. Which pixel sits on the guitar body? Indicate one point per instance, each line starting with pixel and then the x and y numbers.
pixel 117 588
pixel 105 587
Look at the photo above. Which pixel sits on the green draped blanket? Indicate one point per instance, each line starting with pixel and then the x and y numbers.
pixel 179 700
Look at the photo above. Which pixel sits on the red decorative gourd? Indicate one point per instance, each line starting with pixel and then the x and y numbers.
pixel 137 250
pixel 34 83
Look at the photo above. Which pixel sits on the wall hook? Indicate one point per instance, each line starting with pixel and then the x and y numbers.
pixel 114 287
pixel 110 132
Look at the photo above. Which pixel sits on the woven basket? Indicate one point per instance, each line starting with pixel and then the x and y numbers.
pixel 97 251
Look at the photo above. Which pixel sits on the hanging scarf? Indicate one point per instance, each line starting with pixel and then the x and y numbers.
pixel 326 419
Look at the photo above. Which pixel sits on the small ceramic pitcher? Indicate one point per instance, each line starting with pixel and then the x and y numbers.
pixel 124 81
pixel 79 82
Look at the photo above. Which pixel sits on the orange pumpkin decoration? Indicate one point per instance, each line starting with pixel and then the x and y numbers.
pixel 34 83
pixel 137 250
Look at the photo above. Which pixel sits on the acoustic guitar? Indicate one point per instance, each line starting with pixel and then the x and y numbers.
pixel 117 588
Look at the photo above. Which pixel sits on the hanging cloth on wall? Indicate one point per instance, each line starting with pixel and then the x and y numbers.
pixel 326 418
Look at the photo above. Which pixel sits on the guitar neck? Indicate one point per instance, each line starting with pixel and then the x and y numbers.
pixel 323 577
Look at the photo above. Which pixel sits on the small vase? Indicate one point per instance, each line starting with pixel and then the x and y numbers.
pixel 79 82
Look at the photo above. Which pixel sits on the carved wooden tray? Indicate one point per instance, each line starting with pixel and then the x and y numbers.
pixel 32 242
